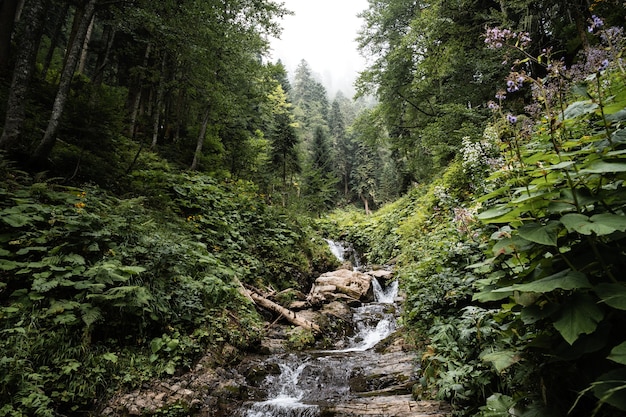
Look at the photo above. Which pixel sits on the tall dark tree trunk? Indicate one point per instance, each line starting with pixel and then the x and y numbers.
pixel 108 36
pixel 47 143
pixel 200 141
pixel 135 92
pixel 8 8
pixel 82 63
pixel 28 37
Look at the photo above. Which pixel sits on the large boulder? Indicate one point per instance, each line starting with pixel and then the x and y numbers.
pixel 341 285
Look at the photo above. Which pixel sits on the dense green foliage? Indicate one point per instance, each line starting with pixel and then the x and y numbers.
pixel 512 259
pixel 100 291
pixel 433 77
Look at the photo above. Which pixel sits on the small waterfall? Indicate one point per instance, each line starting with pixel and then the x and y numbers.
pixel 285 400
pixel 344 252
pixel 385 295
pixel 336 249
pixel 373 323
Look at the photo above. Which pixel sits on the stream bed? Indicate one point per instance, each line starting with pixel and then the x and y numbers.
pixel 364 368
pixel 313 383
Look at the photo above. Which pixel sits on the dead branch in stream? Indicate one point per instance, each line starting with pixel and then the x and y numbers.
pixel 289 315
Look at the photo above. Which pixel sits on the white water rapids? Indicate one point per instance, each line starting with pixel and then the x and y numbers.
pixel 309 379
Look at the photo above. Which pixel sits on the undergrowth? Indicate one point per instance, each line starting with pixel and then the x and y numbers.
pixel 100 293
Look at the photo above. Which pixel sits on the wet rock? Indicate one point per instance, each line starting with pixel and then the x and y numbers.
pixel 397 405
pixel 342 283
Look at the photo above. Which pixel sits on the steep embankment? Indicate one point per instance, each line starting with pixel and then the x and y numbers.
pixel 100 294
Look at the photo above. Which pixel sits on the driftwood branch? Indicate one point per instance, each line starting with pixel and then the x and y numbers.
pixel 289 315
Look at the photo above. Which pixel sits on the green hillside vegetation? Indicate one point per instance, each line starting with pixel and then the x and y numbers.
pixel 512 260
pixel 101 292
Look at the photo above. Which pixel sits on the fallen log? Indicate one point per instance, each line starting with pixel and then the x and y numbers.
pixel 289 315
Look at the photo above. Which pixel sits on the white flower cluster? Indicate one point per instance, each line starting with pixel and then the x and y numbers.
pixel 490 134
pixel 471 152
pixel 441 194
pixel 478 154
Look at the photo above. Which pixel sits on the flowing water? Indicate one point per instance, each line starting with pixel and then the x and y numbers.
pixel 344 252
pixel 306 382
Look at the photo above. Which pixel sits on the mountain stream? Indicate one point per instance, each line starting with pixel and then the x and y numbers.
pixel 315 383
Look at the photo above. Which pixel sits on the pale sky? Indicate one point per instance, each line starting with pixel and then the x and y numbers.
pixel 323 33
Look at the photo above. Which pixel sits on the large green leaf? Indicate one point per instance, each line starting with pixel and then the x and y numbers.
pixel 614 295
pixel 487 294
pixel 542 234
pixel 602 167
pixel 15 219
pixel 600 224
pixel 494 212
pixel 618 354
pixel 493 194
pixel 579 108
pixel 509 245
pixel 7 265
pixel 565 280
pixel 503 359
pixel 580 315
pixel 611 388
pixel 615 221
pixel 498 405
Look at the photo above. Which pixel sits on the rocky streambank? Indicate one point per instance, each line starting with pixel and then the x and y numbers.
pixel 339 375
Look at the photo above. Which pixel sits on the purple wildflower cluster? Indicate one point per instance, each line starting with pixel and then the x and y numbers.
pixel 515 81
pixel 496 38
pixel 595 23
pixel 612 35
pixel 547 90
pixel 511 119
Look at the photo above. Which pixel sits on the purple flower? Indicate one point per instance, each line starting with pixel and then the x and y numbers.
pixel 493 105
pixel 604 65
pixel 611 35
pixel 511 86
pixel 495 38
pixel 524 39
pixel 596 23
pixel 514 82
pixel 501 95
pixel 511 119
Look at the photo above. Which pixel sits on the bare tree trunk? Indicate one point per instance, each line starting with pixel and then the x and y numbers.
pixel 47 143
pixel 200 141
pixel 156 113
pixel 134 110
pixel 20 7
pixel 8 8
pixel 28 37
pixel 83 54
pixel 291 316
pixel 108 36
pixel 367 205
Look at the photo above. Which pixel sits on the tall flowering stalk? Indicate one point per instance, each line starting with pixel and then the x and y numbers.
pixel 557 255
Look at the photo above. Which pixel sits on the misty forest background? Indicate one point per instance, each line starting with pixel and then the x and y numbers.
pixel 153 160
